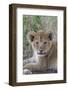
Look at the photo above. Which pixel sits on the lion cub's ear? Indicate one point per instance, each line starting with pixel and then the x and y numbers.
pixel 50 35
pixel 31 35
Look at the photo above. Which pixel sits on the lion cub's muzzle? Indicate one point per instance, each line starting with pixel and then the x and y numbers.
pixel 41 52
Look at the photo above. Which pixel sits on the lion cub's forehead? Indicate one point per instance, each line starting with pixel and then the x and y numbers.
pixel 41 35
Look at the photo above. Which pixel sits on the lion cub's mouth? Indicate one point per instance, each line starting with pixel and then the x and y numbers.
pixel 41 53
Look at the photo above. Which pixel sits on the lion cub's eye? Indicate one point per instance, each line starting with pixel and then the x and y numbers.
pixel 37 42
pixel 45 42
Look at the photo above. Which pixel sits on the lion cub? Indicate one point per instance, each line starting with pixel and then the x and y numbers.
pixel 45 51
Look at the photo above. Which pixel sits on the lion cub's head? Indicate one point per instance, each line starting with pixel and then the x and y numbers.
pixel 41 42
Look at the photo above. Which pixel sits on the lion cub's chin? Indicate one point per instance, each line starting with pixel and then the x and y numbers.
pixel 41 55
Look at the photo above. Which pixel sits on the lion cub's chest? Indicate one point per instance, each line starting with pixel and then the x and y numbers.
pixel 42 63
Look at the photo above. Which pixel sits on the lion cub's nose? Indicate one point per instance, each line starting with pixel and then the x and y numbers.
pixel 41 51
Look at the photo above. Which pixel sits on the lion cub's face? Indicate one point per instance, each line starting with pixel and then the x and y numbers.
pixel 41 42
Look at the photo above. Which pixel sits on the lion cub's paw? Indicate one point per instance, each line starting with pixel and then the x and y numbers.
pixel 27 71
